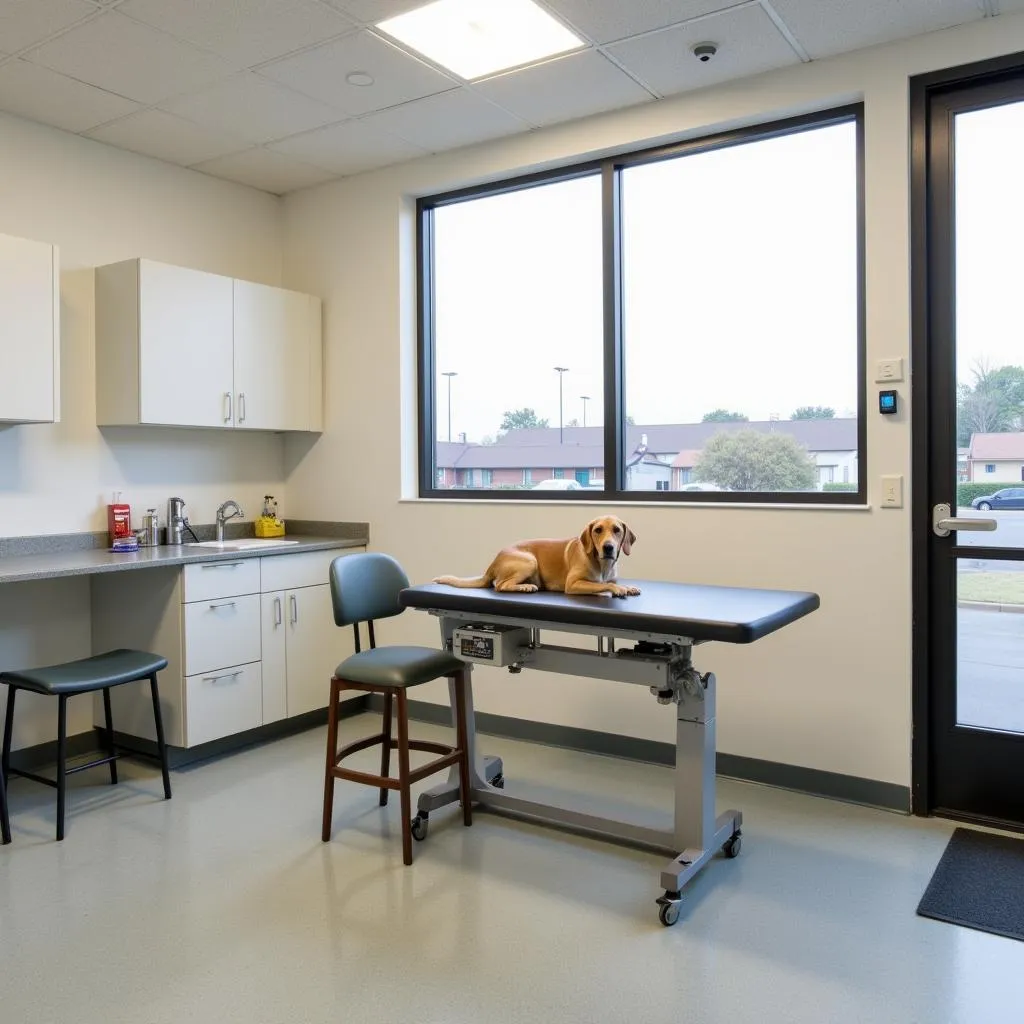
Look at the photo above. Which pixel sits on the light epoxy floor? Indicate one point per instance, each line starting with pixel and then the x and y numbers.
pixel 222 905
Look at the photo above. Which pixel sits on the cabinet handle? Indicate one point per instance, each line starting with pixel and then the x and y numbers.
pixel 227 415
pixel 241 406
pixel 295 609
pixel 221 565
pixel 224 604
pixel 223 675
pixel 278 613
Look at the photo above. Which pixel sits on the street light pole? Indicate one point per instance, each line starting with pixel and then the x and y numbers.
pixel 449 374
pixel 586 398
pixel 560 370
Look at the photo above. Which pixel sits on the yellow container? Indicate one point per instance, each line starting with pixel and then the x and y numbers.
pixel 267 526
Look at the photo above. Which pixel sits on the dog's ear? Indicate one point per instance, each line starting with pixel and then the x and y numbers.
pixel 587 539
pixel 628 539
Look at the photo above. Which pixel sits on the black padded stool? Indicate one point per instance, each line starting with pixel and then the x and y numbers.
pixel 62 681
pixel 365 587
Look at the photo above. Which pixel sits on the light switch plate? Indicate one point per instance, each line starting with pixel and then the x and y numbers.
pixel 888 371
pixel 892 492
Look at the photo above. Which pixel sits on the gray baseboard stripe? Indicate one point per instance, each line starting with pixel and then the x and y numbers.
pixel 30 759
pixel 835 786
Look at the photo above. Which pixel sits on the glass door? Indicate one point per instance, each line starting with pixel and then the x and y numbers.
pixel 975 439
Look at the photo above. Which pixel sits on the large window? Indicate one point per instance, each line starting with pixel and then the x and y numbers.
pixel 676 324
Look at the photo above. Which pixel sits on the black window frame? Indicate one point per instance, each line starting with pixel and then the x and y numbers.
pixel 613 396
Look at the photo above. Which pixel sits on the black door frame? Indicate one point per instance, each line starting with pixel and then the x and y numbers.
pixel 923 90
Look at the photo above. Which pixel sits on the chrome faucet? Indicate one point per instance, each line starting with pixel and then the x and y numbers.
pixel 222 518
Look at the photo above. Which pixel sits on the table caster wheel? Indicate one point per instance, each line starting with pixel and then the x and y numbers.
pixel 419 827
pixel 498 782
pixel 668 908
pixel 731 847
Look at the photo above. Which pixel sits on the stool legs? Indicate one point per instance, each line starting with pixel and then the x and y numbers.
pixel 332 753
pixel 5 758
pixel 385 753
pixel 462 739
pixel 403 775
pixel 110 734
pixel 161 744
pixel 62 762
pixel 5 820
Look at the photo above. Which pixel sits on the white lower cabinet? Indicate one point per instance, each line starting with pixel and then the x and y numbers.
pixel 247 644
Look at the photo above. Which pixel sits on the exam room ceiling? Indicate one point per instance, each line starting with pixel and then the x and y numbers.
pixel 254 91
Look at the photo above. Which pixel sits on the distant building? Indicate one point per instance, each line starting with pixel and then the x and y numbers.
pixel 996 458
pixel 659 456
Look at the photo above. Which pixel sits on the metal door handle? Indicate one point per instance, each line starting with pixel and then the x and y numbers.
pixel 278 612
pixel 227 417
pixel 295 609
pixel 223 675
pixel 943 522
pixel 224 604
pixel 241 406
pixel 221 565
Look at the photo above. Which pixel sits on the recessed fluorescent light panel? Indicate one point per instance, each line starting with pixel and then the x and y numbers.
pixel 474 38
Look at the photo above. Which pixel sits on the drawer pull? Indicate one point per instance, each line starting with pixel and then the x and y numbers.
pixel 221 565
pixel 223 604
pixel 223 675
pixel 295 609
pixel 278 612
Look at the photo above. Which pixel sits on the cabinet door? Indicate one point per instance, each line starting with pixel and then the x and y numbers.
pixel 315 647
pixel 29 337
pixel 185 347
pixel 275 665
pixel 272 335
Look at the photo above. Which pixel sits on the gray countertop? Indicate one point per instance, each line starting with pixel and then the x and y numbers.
pixel 89 562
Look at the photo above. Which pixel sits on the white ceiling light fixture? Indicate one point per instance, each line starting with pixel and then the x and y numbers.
pixel 475 38
pixel 361 78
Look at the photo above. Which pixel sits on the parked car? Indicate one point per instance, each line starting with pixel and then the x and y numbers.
pixel 558 485
pixel 1007 497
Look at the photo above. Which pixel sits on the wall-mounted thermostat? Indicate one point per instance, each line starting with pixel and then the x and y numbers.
pixel 887 404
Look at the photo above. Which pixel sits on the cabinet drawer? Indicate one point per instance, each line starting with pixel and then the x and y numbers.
pixel 204 581
pixel 289 572
pixel 221 632
pixel 223 703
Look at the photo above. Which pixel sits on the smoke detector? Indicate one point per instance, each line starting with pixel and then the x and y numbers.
pixel 705 51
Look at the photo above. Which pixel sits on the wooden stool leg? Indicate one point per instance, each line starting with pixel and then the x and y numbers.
pixel 62 761
pixel 5 820
pixel 385 754
pixel 110 734
pixel 332 753
pixel 403 774
pixel 462 738
pixel 161 744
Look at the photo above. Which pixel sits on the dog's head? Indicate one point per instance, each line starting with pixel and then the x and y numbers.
pixel 603 538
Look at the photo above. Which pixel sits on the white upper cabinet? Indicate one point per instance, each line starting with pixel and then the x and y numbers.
pixel 187 348
pixel 30 332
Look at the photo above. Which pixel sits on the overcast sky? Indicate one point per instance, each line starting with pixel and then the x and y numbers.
pixel 740 285
pixel 989 234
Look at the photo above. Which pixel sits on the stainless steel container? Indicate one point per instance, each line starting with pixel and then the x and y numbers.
pixel 151 528
pixel 176 521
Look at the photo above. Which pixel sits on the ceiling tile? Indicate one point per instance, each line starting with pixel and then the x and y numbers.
pixel 25 22
pixel 370 12
pixel 607 20
pixel 321 73
pixel 42 95
pixel 447 121
pixel 116 53
pixel 244 32
pixel 748 42
pixel 349 148
pixel 826 27
pixel 266 170
pixel 573 86
pixel 253 108
pixel 167 137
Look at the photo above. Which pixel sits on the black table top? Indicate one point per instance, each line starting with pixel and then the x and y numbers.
pixel 735 615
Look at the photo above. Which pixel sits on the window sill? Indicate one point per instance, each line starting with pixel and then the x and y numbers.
pixel 597 502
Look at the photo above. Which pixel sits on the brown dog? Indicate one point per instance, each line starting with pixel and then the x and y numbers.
pixel 579 565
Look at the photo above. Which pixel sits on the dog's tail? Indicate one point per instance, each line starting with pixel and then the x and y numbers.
pixel 475 583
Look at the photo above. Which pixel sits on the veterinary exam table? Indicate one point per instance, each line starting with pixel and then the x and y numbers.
pixel 647 641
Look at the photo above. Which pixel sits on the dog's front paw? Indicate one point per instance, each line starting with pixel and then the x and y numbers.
pixel 632 591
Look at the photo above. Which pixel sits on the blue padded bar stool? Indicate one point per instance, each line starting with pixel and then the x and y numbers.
pixel 101 672
pixel 365 587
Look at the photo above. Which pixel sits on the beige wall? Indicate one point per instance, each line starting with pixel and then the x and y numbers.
pixel 100 204
pixel 832 692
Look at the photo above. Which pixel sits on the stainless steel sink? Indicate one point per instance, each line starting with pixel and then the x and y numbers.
pixel 242 543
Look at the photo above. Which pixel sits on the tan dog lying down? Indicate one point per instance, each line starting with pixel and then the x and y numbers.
pixel 579 565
